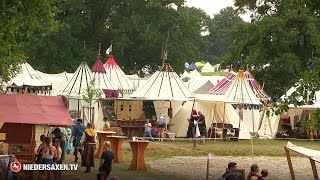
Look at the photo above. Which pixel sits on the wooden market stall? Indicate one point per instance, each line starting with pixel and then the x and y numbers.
pixel 20 115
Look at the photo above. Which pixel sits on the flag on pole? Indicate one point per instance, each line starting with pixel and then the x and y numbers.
pixel 109 50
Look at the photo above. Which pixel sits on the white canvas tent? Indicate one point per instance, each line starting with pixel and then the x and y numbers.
pixel 164 84
pixel 199 86
pixel 207 68
pixel 214 113
pixel 58 81
pixel 295 113
pixel 117 77
pixel 243 89
pixel 28 77
pixel 100 75
pixel 165 89
pixel 195 73
pixel 76 88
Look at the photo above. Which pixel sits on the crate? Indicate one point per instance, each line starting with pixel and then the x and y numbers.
pixel 4 149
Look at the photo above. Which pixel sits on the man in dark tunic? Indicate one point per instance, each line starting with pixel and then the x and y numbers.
pixel 202 126
pixel 77 133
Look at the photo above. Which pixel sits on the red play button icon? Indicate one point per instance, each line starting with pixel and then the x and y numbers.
pixel 15 166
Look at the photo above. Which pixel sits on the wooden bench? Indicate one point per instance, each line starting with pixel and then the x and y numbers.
pixel 223 130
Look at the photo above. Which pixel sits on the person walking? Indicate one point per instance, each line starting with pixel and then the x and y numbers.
pixel 77 133
pixel 106 159
pixel 88 141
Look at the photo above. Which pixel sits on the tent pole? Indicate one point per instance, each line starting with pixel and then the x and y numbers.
pixel 270 127
pixel 212 112
pixel 215 134
pixel 224 118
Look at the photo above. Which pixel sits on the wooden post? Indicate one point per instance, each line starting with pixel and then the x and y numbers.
pixel 208 162
pixel 290 164
pixel 314 169
pixel 224 118
pixel 193 136
pixel 270 127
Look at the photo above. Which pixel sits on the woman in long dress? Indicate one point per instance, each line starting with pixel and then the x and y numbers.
pixel 88 140
pixel 193 117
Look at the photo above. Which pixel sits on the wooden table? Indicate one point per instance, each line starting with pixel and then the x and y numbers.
pixel 116 143
pixel 138 148
pixel 102 135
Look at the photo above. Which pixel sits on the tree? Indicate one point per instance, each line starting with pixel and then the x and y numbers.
pixel 220 28
pixel 278 47
pixel 16 18
pixel 92 95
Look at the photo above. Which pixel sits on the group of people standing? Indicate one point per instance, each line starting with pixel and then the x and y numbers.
pixel 83 139
pixel 197 122
pixel 158 132
pixel 232 173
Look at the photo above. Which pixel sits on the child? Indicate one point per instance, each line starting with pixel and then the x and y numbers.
pixel 147 130
pixel 264 174
pixel 69 143
pixel 106 159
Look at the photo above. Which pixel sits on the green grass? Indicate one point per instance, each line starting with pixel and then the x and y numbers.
pixel 214 73
pixel 167 149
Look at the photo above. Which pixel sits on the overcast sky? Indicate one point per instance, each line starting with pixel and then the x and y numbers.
pixel 212 7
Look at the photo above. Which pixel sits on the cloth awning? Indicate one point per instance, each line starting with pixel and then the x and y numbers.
pixel 33 109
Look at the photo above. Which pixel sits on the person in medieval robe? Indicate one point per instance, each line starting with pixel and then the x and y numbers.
pixel 193 117
pixel 88 141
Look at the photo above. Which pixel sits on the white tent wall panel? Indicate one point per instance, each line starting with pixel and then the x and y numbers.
pixel 213 112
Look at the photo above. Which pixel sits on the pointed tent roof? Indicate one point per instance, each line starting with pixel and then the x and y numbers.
pixel 27 76
pixel 199 85
pixel 164 84
pixel 237 88
pixel 255 87
pixel 194 73
pixel 99 73
pixel 207 68
pixel 79 82
pixel 185 75
pixel 117 77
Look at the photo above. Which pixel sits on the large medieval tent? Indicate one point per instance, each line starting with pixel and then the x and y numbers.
pixel 290 121
pixel 242 88
pixel 100 76
pixel 117 77
pixel 75 89
pixel 28 81
pixel 58 81
pixel 217 109
pixel 166 89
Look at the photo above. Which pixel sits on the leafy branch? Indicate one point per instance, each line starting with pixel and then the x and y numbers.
pixel 92 94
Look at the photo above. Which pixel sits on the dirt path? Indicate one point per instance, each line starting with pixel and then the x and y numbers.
pixel 195 167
